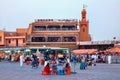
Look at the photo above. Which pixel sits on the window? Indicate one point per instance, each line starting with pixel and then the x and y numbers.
pixel 53 27
pixel 39 28
pixel 23 40
pixel 38 39
pixel 83 29
pixel 54 39
pixel 9 41
pixel 0 38
pixel 69 27
pixel 69 39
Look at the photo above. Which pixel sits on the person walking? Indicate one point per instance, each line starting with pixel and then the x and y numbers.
pixel 21 60
pixel 109 59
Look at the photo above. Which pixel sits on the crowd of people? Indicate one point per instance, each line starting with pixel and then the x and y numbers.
pixel 56 63
pixel 53 64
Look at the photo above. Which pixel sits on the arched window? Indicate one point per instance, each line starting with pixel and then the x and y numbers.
pixel 83 29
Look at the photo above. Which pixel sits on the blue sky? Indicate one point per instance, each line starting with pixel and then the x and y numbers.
pixel 103 15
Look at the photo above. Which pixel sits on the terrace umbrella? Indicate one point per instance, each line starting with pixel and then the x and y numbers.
pixel 84 51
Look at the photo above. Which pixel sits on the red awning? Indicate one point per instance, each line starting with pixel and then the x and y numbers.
pixel 84 51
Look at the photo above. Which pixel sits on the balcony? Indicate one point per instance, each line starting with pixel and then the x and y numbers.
pixel 52 38
pixel 55 28
pixel 69 28
pixel 39 28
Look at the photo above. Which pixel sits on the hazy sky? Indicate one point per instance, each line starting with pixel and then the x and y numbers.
pixel 103 15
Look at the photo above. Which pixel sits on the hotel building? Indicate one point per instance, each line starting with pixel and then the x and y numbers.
pixel 63 33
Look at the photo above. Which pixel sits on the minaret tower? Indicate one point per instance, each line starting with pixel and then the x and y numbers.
pixel 84 27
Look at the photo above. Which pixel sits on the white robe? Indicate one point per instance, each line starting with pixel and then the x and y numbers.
pixel 21 60
pixel 45 63
pixel 109 59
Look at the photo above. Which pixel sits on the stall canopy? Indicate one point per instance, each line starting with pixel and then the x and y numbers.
pixel 114 49
pixel 49 49
pixel 84 51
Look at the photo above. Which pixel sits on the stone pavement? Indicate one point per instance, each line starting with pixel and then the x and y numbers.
pixel 12 71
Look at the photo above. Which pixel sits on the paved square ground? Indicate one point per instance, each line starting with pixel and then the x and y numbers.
pixel 12 71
